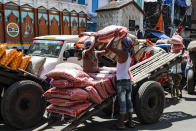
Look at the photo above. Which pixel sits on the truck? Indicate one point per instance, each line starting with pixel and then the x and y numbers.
pixel 22 104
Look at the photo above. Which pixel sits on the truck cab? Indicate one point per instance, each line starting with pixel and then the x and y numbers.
pixel 55 48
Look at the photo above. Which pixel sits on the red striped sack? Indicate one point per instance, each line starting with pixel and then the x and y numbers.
pixel 68 74
pixel 68 93
pixel 67 84
pixel 64 102
pixel 93 95
pixel 107 70
pixel 73 111
pixel 104 35
pixel 99 86
pixel 109 87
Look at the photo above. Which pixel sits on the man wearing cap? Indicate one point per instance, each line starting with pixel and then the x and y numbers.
pixel 124 87
pixel 90 56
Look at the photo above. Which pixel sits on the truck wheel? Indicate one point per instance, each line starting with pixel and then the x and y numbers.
pixel 23 105
pixel 149 102
pixel 190 82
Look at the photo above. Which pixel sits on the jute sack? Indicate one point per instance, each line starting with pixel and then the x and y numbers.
pixel 8 57
pixel 192 46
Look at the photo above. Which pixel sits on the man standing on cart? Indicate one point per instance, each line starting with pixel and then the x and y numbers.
pixel 124 87
pixel 90 55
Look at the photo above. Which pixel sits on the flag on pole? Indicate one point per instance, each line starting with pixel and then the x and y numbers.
pixel 160 24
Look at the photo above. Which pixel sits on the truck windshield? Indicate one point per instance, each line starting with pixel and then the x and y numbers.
pixel 46 48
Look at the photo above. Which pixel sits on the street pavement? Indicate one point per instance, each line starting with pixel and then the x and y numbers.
pixel 178 115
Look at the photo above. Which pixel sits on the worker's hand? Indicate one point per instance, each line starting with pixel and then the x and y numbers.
pixel 116 33
pixel 132 82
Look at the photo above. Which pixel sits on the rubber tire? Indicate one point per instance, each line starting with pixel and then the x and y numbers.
pixel 190 81
pixel 149 102
pixel 23 105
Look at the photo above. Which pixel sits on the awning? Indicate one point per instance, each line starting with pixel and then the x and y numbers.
pixel 178 2
pixel 162 36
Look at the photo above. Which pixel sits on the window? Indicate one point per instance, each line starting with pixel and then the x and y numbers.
pixel 82 2
pixel 94 5
pixel 131 25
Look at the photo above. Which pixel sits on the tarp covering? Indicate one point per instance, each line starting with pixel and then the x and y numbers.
pixel 160 35
pixel 178 2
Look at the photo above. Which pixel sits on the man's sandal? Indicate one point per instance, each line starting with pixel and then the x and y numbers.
pixel 117 127
pixel 130 124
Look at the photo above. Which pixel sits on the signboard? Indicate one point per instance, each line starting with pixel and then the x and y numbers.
pixel 12 29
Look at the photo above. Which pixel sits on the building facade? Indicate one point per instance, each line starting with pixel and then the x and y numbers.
pixel 126 13
pixel 22 20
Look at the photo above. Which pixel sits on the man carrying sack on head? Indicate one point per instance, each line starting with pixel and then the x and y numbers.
pixel 124 87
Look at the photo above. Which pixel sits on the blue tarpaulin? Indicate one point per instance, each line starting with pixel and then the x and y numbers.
pixel 178 2
pixel 162 36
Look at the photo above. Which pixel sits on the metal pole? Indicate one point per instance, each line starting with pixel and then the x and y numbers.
pixel 172 18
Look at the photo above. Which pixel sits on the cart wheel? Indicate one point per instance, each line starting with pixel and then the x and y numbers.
pixel 23 105
pixel 1 119
pixel 190 82
pixel 149 102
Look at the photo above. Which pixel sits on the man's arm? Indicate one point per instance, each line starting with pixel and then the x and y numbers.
pixel 116 51
pixel 91 48
pixel 102 52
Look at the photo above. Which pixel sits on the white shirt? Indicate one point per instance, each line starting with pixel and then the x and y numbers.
pixel 122 69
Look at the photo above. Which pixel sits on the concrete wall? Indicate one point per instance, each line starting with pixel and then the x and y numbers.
pixel 120 17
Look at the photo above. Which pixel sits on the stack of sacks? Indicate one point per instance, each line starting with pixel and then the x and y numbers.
pixel 74 91
pixel 105 73
pixel 68 95
pixel 103 36
pixel 104 81
pixel 177 43
pixel 13 59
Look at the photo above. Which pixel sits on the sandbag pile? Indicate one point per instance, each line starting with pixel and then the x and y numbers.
pixel 103 36
pixel 12 58
pixel 74 91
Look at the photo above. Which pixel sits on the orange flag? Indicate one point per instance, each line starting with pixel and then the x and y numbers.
pixel 159 25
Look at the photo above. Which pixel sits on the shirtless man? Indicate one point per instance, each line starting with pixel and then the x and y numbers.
pixel 124 87
pixel 90 56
